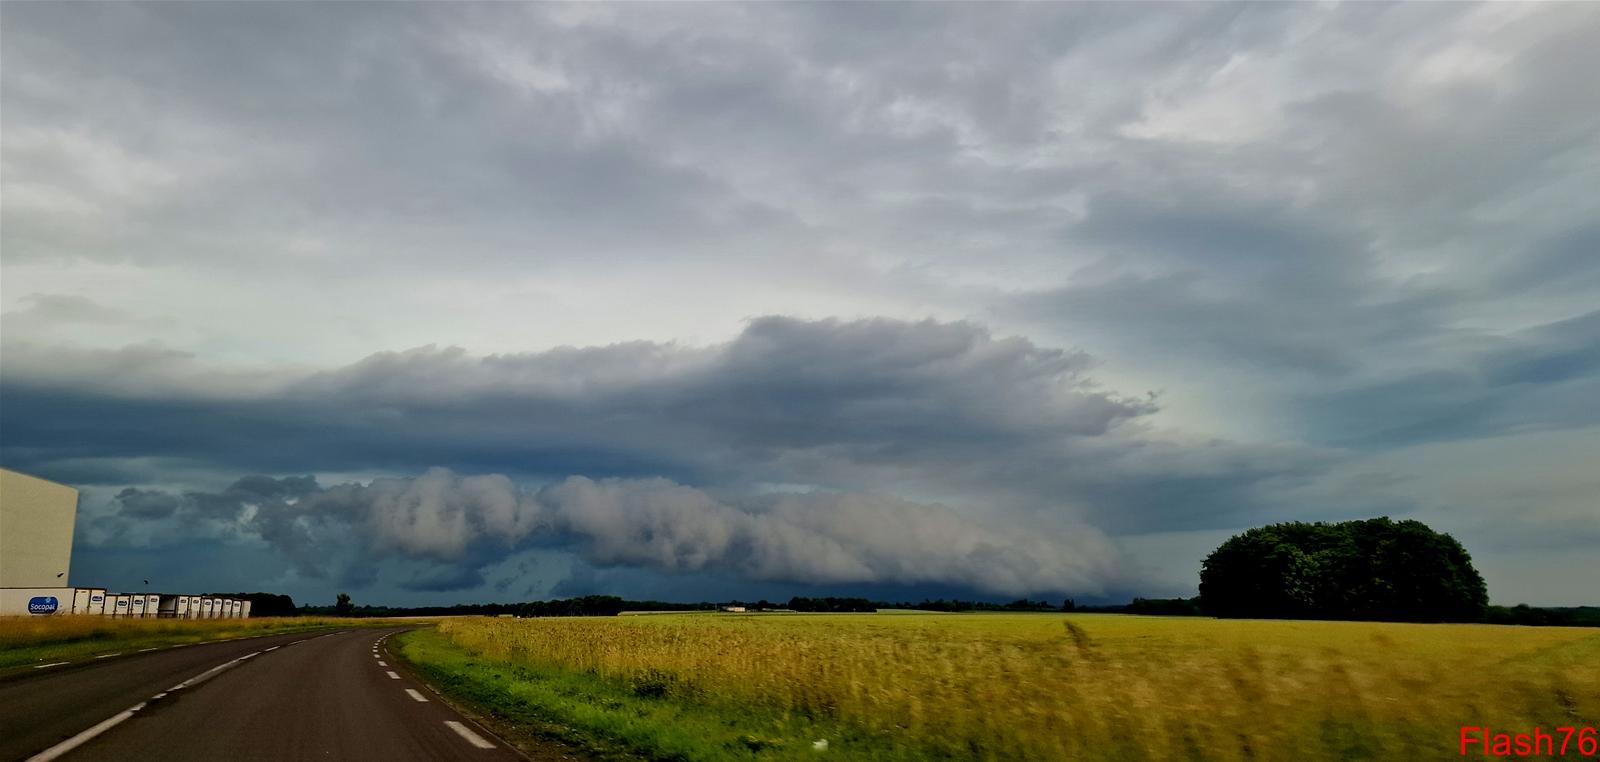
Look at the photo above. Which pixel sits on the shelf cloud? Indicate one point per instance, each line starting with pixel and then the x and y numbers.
pixel 468 522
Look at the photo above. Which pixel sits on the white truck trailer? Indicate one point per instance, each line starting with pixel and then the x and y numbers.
pixel 206 605
pixel 136 605
pixel 97 602
pixel 89 600
pixel 35 601
pixel 194 607
pixel 245 611
pixel 119 605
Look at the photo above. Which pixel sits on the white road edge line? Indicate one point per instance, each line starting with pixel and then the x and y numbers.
pixel 415 696
pixel 466 732
pixel 51 664
pixel 87 735
pixel 208 674
pixel 392 676
pixel 107 656
pixel 152 648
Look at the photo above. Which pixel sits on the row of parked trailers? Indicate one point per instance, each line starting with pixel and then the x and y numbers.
pixel 95 601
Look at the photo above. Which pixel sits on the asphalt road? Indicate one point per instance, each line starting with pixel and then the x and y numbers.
pixel 285 697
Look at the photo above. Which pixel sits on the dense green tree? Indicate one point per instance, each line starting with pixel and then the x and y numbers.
pixel 342 605
pixel 1371 569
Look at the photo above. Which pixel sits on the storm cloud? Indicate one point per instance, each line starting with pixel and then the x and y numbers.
pixel 462 523
pixel 1088 270
pixel 931 410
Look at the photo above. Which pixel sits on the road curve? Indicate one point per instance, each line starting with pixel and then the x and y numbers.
pixel 288 697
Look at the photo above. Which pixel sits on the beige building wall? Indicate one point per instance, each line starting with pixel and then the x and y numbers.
pixel 36 518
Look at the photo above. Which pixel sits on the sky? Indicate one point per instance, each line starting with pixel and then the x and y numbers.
pixel 494 302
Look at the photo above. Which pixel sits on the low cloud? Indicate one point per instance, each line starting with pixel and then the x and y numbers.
pixel 147 504
pixel 455 525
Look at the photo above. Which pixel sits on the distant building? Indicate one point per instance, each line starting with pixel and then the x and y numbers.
pixel 36 519
pixel 734 609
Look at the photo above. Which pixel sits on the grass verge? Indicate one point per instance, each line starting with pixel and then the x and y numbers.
pixel 616 719
pixel 27 642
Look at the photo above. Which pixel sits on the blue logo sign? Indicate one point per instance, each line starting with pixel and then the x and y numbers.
pixel 98 598
pixel 44 604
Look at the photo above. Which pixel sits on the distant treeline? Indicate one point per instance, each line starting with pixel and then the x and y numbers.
pixel 588 605
pixel 960 605
pixel 1153 606
pixel 1555 616
pixel 610 605
pixel 846 605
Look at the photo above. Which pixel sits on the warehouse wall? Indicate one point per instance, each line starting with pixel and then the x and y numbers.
pixel 36 518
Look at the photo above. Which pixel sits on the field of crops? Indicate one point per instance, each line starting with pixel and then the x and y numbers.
pixel 1027 686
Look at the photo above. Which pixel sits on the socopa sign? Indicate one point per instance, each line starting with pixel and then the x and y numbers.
pixel 44 604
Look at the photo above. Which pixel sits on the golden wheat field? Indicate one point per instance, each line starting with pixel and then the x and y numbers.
pixel 1084 686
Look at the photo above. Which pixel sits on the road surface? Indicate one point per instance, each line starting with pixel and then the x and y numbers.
pixel 335 696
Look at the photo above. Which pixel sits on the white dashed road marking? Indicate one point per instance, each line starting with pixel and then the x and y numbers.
pixel 52 664
pixel 210 673
pixel 107 656
pixel 412 692
pixel 382 663
pixel 392 676
pixel 84 737
pixel 466 732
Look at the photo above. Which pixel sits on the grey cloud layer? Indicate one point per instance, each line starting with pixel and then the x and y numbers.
pixel 783 384
pixel 465 523
pixel 1339 239
pixel 941 410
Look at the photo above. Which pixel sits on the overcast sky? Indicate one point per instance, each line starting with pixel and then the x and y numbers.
pixel 439 303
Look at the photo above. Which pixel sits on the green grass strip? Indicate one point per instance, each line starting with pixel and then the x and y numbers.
pixel 617 720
